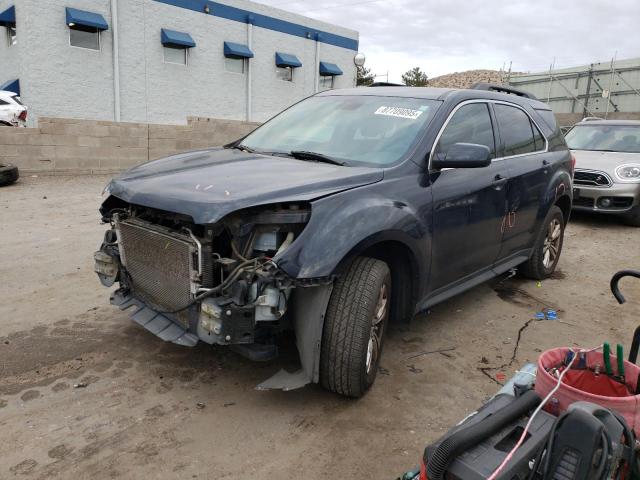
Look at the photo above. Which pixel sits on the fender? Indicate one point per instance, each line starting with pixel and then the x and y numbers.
pixel 345 224
pixel 560 185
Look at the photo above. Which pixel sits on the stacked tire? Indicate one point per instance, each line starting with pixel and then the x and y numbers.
pixel 8 174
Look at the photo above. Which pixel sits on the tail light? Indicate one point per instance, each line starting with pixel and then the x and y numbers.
pixel 573 164
pixel 23 115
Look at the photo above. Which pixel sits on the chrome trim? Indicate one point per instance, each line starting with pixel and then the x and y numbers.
pixel 598 172
pixel 482 100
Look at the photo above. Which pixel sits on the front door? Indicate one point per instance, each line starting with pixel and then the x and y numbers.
pixel 469 204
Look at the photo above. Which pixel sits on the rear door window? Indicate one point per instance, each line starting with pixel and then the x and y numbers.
pixel 519 135
pixel 470 124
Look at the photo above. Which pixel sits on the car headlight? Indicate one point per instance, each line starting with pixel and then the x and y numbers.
pixel 629 172
pixel 107 190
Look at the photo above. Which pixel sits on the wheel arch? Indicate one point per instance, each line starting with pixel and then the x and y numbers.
pixel 404 265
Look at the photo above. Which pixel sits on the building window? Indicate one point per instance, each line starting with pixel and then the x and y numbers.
pixel 326 82
pixel 284 73
pixel 11 36
pixel 84 37
pixel 175 55
pixel 234 65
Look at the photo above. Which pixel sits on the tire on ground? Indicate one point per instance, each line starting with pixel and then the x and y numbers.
pixel 348 325
pixel 8 174
pixel 534 268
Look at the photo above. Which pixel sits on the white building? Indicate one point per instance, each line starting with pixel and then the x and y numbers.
pixel 160 61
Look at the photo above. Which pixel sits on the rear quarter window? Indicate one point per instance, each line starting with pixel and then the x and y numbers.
pixel 549 118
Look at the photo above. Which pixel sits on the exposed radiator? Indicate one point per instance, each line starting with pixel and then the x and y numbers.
pixel 161 264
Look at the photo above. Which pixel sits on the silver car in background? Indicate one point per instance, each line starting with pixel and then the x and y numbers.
pixel 607 175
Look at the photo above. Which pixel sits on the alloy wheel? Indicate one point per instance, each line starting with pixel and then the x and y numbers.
pixel 377 327
pixel 551 247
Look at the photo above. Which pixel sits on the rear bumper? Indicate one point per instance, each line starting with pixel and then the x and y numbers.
pixel 619 198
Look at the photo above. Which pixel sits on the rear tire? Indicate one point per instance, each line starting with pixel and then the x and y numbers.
pixel 8 174
pixel 633 217
pixel 354 327
pixel 548 247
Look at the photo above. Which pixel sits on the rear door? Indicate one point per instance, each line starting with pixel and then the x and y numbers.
pixel 524 150
pixel 468 203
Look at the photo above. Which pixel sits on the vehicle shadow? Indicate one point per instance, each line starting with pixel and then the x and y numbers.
pixel 596 220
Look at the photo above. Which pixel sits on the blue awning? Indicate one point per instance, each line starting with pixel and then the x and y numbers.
pixel 8 17
pixel 287 60
pixel 237 50
pixel 171 38
pixel 86 19
pixel 11 86
pixel 327 69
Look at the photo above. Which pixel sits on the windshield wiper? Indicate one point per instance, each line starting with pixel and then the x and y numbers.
pixel 243 148
pixel 317 157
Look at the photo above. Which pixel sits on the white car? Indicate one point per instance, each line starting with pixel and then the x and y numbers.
pixel 12 112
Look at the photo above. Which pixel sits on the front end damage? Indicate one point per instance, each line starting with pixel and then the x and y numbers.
pixel 217 283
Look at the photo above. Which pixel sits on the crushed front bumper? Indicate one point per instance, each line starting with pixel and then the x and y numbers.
pixel 157 323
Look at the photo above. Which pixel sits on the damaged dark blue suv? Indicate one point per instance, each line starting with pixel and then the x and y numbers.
pixel 346 211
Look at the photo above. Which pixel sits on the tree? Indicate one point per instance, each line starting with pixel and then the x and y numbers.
pixel 365 77
pixel 415 78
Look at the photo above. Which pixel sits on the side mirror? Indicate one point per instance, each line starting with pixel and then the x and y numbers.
pixel 464 155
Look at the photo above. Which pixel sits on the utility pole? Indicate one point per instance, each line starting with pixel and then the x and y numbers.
pixel 550 79
pixel 609 100
pixel 585 112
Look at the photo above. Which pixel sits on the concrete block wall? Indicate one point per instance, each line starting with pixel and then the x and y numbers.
pixel 71 146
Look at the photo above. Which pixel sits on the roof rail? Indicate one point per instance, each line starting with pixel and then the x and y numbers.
pixel 591 119
pixel 386 84
pixel 494 87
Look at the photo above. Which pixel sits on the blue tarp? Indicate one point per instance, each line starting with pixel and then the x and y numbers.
pixel 11 86
pixel 237 50
pixel 172 38
pixel 287 60
pixel 327 69
pixel 86 19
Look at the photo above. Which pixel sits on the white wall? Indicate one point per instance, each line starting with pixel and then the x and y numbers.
pixel 63 81
pixel 58 79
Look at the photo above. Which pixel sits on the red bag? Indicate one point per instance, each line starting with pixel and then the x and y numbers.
pixel 584 385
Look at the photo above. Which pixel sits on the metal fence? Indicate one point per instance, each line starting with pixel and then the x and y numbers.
pixel 599 89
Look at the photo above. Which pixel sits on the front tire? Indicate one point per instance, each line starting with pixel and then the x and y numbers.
pixel 546 252
pixel 354 327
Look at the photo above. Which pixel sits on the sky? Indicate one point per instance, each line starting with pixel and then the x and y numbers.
pixel 442 36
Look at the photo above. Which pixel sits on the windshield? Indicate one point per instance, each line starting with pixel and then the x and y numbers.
pixel 358 129
pixel 613 138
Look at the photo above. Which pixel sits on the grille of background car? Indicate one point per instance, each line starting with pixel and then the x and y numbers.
pixel 159 265
pixel 591 178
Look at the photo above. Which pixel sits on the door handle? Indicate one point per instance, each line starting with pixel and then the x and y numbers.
pixel 499 181
pixel 545 162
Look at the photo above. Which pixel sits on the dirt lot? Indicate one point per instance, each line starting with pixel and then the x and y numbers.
pixel 148 409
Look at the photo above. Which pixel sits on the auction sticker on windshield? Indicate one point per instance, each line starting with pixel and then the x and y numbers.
pixel 398 112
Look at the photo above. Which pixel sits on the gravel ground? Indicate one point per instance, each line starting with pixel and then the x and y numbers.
pixel 86 393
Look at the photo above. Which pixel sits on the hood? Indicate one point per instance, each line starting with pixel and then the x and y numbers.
pixel 603 161
pixel 209 184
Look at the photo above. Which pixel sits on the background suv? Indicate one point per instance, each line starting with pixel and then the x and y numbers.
pixel 348 210
pixel 607 177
